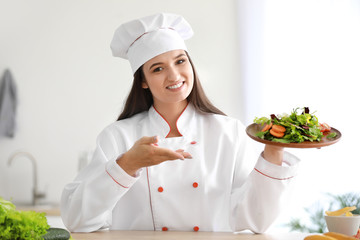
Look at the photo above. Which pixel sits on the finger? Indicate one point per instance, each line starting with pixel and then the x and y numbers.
pixel 149 140
pixel 187 155
pixel 168 154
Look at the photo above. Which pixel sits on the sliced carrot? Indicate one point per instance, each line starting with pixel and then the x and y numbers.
pixel 278 128
pixel 267 127
pixel 276 134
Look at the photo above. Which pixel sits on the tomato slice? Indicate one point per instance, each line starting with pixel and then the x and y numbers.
pixel 357 234
pixel 324 127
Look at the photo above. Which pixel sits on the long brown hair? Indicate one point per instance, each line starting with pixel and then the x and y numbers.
pixel 140 99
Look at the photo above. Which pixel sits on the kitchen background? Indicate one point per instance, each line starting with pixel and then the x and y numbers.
pixel 254 58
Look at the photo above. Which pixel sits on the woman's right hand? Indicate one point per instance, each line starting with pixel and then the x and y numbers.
pixel 146 153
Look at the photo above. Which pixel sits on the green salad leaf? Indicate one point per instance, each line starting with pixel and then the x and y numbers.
pixel 21 225
pixel 300 125
pixel 331 135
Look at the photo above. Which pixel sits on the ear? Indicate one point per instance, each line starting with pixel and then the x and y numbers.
pixel 144 85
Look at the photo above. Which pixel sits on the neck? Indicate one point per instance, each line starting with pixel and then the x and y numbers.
pixel 171 113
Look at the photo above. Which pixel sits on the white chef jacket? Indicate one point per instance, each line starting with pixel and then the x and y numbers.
pixel 220 189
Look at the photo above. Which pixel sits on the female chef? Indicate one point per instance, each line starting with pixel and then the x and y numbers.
pixel 173 161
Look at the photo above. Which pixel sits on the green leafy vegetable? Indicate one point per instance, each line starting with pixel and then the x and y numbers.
pixel 331 135
pixel 300 127
pixel 21 225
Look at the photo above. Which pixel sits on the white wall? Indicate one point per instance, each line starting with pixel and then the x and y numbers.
pixel 307 53
pixel 70 87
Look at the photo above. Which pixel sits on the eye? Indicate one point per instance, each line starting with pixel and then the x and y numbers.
pixel 180 61
pixel 158 69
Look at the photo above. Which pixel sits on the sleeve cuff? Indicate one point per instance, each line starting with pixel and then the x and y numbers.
pixel 119 175
pixel 287 171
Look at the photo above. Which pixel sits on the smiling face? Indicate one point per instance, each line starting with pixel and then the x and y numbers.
pixel 170 78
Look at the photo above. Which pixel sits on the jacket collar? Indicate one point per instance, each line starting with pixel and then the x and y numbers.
pixel 184 123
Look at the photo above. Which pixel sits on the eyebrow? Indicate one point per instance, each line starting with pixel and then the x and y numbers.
pixel 158 63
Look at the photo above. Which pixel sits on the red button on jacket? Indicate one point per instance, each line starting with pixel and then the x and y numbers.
pixel 160 189
pixel 195 184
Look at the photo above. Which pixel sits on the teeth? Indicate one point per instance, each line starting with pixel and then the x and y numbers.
pixel 176 86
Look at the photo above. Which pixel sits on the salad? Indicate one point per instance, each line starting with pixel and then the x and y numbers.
pixel 299 126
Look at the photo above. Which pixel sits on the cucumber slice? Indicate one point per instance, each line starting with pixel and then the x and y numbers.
pixel 56 234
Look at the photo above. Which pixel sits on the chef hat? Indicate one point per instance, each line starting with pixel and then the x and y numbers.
pixel 142 39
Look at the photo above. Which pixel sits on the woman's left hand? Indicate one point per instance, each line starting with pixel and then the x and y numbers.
pixel 274 154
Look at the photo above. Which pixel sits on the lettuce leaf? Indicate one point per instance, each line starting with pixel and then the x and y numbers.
pixel 21 225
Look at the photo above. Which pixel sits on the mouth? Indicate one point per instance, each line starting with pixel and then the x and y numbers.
pixel 175 86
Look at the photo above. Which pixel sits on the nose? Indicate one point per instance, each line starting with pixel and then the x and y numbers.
pixel 173 74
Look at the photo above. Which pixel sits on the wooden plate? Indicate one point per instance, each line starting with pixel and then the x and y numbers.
pixel 254 128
